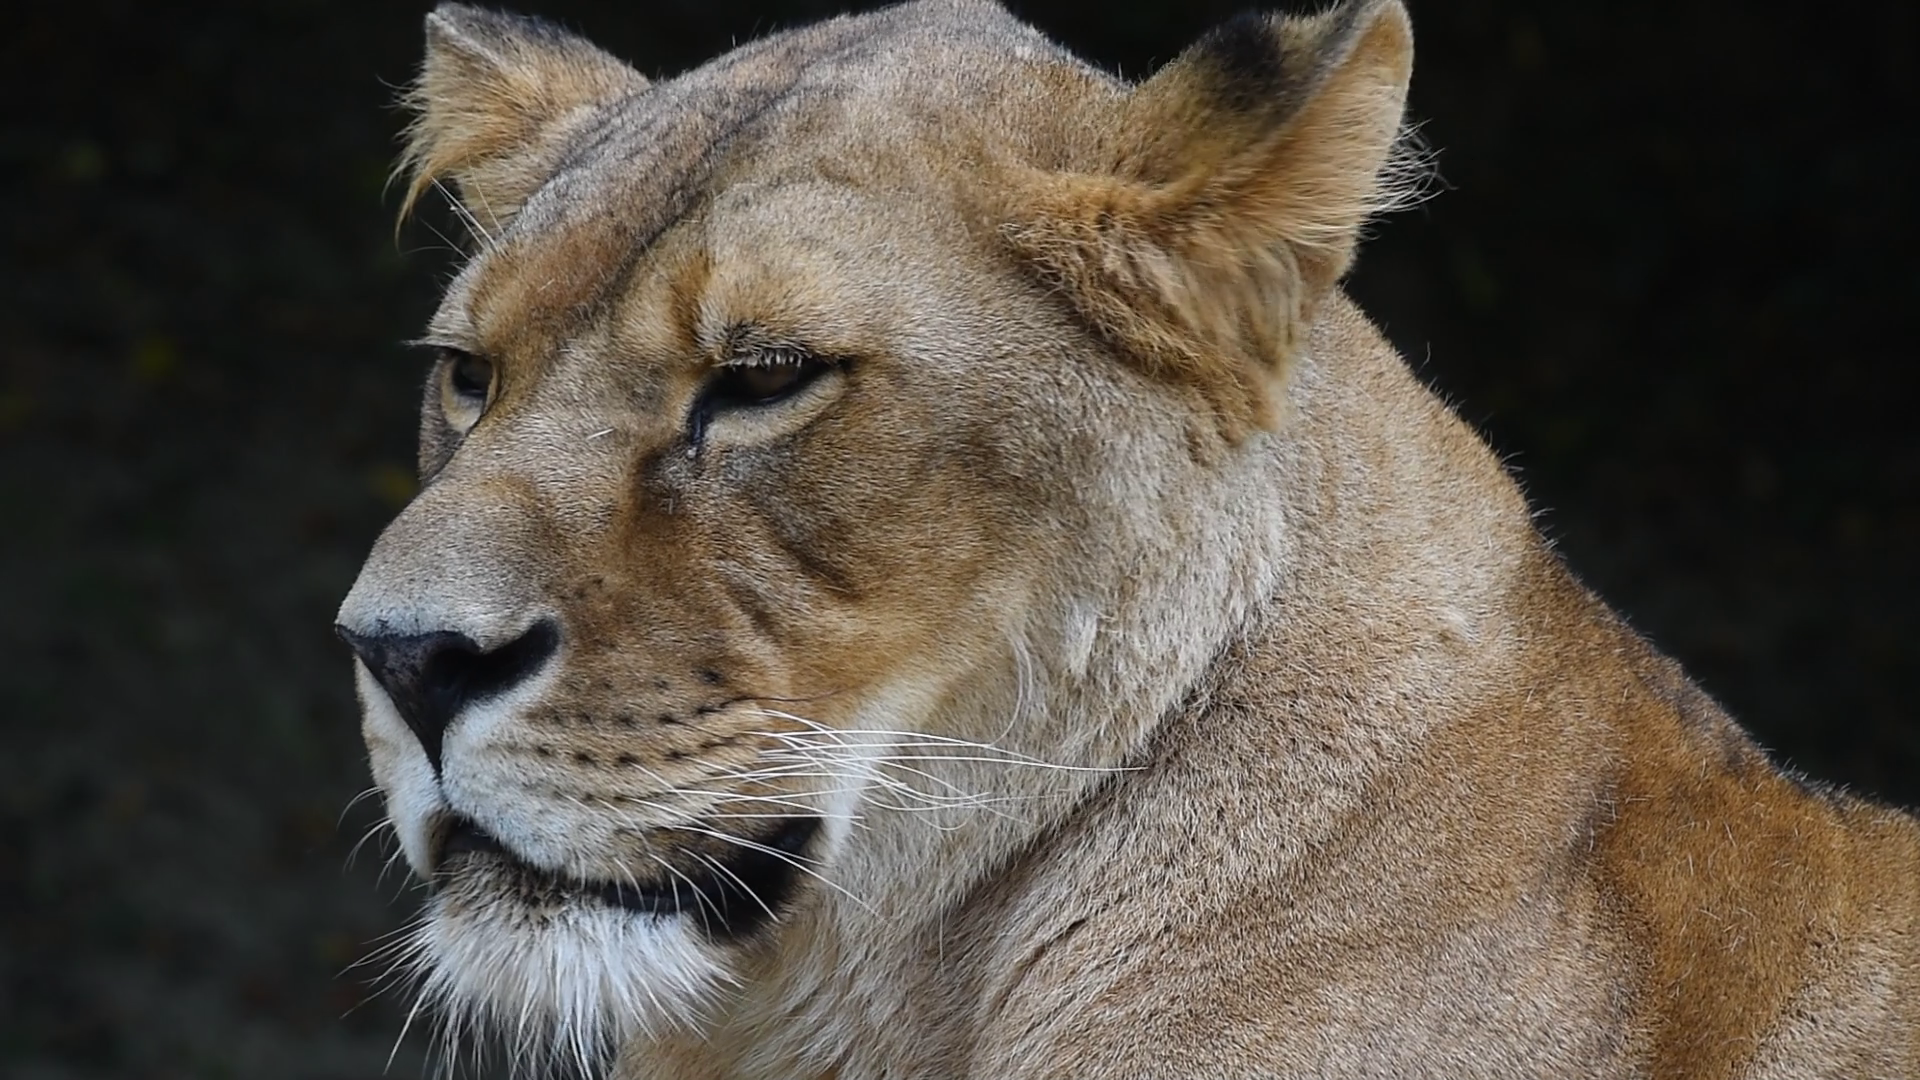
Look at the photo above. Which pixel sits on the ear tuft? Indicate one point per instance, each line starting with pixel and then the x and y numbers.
pixel 494 91
pixel 1238 180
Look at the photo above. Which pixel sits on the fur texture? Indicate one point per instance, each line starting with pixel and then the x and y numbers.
pixel 1180 688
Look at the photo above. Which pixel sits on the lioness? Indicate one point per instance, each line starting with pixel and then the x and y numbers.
pixel 922 573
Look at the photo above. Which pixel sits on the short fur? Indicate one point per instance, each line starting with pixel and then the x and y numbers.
pixel 1183 689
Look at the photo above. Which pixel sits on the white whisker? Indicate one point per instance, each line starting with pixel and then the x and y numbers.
pixel 465 215
pixel 353 802
pixel 797 863
pixel 722 868
pixel 384 825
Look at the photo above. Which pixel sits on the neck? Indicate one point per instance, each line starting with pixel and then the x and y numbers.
pixel 1259 574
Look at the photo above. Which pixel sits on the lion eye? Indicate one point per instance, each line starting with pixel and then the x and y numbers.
pixel 765 381
pixel 746 386
pixel 469 376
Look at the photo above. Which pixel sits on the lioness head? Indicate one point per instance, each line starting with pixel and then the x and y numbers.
pixel 837 458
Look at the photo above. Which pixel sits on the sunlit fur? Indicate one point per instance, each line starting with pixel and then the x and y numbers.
pixel 1183 690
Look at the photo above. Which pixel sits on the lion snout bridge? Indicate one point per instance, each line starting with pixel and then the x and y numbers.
pixel 432 677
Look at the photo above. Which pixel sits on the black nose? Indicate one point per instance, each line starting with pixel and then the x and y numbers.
pixel 431 677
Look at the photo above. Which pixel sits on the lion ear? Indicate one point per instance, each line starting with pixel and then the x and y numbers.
pixel 1234 185
pixel 493 92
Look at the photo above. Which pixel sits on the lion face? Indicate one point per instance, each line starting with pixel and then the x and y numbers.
pixel 777 489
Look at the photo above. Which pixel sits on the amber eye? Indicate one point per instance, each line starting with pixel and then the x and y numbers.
pixel 765 381
pixel 745 386
pixel 469 377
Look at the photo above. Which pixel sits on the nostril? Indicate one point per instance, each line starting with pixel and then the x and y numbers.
pixel 432 677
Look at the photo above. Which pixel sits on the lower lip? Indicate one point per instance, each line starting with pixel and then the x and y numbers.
pixel 729 900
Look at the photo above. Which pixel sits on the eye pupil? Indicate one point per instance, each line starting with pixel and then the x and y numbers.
pixel 746 386
pixel 470 376
pixel 759 384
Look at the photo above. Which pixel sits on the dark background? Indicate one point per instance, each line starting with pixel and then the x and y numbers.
pixel 1673 281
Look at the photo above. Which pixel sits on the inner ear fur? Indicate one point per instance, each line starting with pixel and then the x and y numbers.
pixel 1232 191
pixel 494 92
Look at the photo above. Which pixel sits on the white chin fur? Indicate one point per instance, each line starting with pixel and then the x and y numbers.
pixel 563 986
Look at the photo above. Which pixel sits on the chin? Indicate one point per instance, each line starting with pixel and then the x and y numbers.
pixel 559 974
pixel 562 971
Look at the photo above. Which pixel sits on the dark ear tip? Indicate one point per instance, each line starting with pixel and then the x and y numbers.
pixel 1260 58
pixel 1245 49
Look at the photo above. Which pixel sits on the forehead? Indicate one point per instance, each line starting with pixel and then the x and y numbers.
pixel 887 107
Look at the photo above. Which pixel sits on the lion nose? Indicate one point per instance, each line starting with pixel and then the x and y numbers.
pixel 432 677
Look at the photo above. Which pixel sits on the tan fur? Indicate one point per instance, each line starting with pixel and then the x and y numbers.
pixel 492 102
pixel 1185 690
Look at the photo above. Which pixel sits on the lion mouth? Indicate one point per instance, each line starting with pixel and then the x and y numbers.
pixel 730 892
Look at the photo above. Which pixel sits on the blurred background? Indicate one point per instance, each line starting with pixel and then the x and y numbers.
pixel 1673 280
